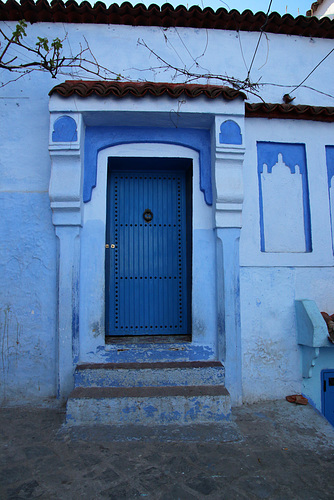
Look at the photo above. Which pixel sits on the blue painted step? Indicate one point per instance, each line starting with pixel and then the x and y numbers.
pixel 150 374
pixel 148 405
pixel 149 394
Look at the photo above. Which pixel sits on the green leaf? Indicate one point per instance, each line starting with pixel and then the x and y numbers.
pixel 56 44
pixel 43 43
pixel 19 31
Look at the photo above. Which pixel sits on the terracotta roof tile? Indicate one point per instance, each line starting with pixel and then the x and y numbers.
pixel 140 15
pixel 314 8
pixel 117 89
pixel 140 89
pixel 299 112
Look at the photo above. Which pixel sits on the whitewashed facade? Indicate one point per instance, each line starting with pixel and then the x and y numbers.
pixel 262 229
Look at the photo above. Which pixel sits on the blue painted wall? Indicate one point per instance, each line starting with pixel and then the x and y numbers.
pixel 28 298
pixel 98 138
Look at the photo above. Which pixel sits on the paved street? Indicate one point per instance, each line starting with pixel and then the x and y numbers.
pixel 272 450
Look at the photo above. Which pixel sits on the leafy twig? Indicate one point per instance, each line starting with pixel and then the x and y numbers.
pixel 47 56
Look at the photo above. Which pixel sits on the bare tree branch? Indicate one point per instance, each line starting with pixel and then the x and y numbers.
pixel 191 76
pixel 46 56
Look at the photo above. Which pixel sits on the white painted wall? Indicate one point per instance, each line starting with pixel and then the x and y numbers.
pixel 282 61
pixel 283 222
pixel 315 136
pixel 271 282
pixel 326 8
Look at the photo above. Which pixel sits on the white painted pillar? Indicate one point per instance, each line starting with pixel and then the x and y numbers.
pixel 68 310
pixel 228 165
pixel 65 197
pixel 229 330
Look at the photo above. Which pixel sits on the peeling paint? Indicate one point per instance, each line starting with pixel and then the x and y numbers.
pixel 267 352
pixel 149 352
pixel 96 329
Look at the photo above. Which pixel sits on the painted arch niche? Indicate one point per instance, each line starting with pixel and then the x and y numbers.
pixel 65 130
pixel 284 198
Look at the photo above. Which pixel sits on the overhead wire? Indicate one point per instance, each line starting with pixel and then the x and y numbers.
pixel 258 42
pixel 313 70
pixel 288 86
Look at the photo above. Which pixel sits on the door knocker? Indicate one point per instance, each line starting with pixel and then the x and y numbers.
pixel 148 216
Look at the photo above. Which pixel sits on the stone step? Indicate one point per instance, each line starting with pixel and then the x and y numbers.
pixel 184 373
pixel 148 405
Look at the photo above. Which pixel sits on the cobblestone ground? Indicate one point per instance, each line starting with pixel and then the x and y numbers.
pixel 273 450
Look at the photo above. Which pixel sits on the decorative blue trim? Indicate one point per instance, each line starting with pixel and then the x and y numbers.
pixel 230 133
pixel 330 174
pixel 293 154
pixel 330 163
pixel 98 138
pixel 64 130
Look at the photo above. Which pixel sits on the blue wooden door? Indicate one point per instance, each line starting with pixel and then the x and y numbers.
pixel 147 255
pixel 328 395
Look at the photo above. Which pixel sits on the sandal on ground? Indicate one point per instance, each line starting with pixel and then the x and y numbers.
pixel 298 399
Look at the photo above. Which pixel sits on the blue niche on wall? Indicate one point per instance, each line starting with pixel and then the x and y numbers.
pixel 285 223
pixel 330 176
pixel 64 130
pixel 230 133
pixel 330 163
pixel 98 138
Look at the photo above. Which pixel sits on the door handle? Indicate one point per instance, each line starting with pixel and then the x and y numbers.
pixel 148 215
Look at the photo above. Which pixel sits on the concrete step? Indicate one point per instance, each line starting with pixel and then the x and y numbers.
pixel 185 373
pixel 148 405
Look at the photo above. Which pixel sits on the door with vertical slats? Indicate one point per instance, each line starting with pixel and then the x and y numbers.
pixel 147 254
pixel 328 394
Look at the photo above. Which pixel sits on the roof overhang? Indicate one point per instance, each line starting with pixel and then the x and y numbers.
pixel 289 111
pixel 104 88
pixel 165 16
pixel 170 104
pixel 146 103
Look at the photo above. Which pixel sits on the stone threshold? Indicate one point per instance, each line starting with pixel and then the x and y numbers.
pixel 151 365
pixel 148 339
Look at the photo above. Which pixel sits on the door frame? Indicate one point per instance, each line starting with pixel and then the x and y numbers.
pixel 92 265
pixel 80 334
